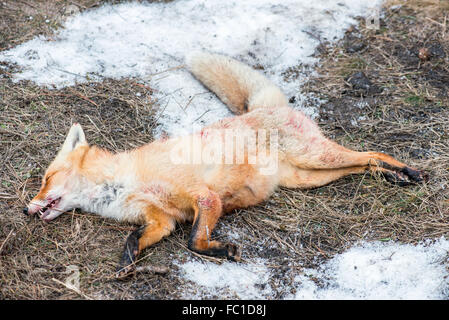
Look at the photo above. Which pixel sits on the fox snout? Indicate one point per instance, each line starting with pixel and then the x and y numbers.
pixel 31 211
pixel 32 208
pixel 47 209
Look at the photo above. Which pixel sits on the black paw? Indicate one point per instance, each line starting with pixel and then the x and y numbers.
pixel 233 252
pixel 416 176
pixel 397 178
pixel 123 271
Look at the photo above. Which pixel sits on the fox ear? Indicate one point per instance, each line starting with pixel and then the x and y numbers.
pixel 74 138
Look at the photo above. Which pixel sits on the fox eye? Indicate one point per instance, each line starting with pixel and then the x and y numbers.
pixel 48 177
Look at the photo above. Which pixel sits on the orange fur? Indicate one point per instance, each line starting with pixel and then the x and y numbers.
pixel 145 186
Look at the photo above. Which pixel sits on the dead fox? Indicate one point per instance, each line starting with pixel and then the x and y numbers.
pixel 147 187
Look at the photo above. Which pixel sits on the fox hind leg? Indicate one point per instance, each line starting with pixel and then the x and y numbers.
pixel 334 156
pixel 293 177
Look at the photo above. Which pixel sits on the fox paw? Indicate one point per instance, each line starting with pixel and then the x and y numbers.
pixel 233 252
pixel 405 176
pixel 416 176
pixel 124 271
pixel 397 178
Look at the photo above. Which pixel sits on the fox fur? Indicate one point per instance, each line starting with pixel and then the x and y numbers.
pixel 145 187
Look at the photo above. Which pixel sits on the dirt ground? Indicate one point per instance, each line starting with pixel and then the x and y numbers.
pixel 385 89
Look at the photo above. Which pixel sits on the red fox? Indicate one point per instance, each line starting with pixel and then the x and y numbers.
pixel 145 186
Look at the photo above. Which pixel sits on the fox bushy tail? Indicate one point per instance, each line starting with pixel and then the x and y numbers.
pixel 239 86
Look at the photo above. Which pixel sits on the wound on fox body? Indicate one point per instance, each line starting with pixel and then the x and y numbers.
pixel 205 202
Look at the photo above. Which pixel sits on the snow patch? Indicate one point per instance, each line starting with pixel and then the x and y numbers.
pixel 381 271
pixel 148 41
pixel 228 280
pixel 369 270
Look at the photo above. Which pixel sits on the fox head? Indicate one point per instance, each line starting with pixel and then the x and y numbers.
pixel 56 193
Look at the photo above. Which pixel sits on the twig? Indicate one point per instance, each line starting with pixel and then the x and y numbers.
pixel 436 22
pixel 73 288
pixel 166 70
pixel 153 269
pixel 3 243
pixel 26 3
pixel 111 142
pixel 84 98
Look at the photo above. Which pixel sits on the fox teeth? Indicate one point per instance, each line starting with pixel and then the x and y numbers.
pixel 48 206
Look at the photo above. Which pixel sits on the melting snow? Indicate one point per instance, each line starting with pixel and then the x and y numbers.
pixel 228 280
pixel 148 41
pixel 381 271
pixel 370 270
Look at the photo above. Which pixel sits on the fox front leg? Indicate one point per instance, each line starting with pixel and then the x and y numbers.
pixel 208 210
pixel 158 225
pixel 130 252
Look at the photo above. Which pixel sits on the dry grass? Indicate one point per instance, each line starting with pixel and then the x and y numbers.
pixel 408 118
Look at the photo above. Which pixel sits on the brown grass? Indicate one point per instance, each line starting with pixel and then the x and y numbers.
pixel 409 119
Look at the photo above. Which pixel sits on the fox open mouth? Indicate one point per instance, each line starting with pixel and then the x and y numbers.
pixel 44 212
